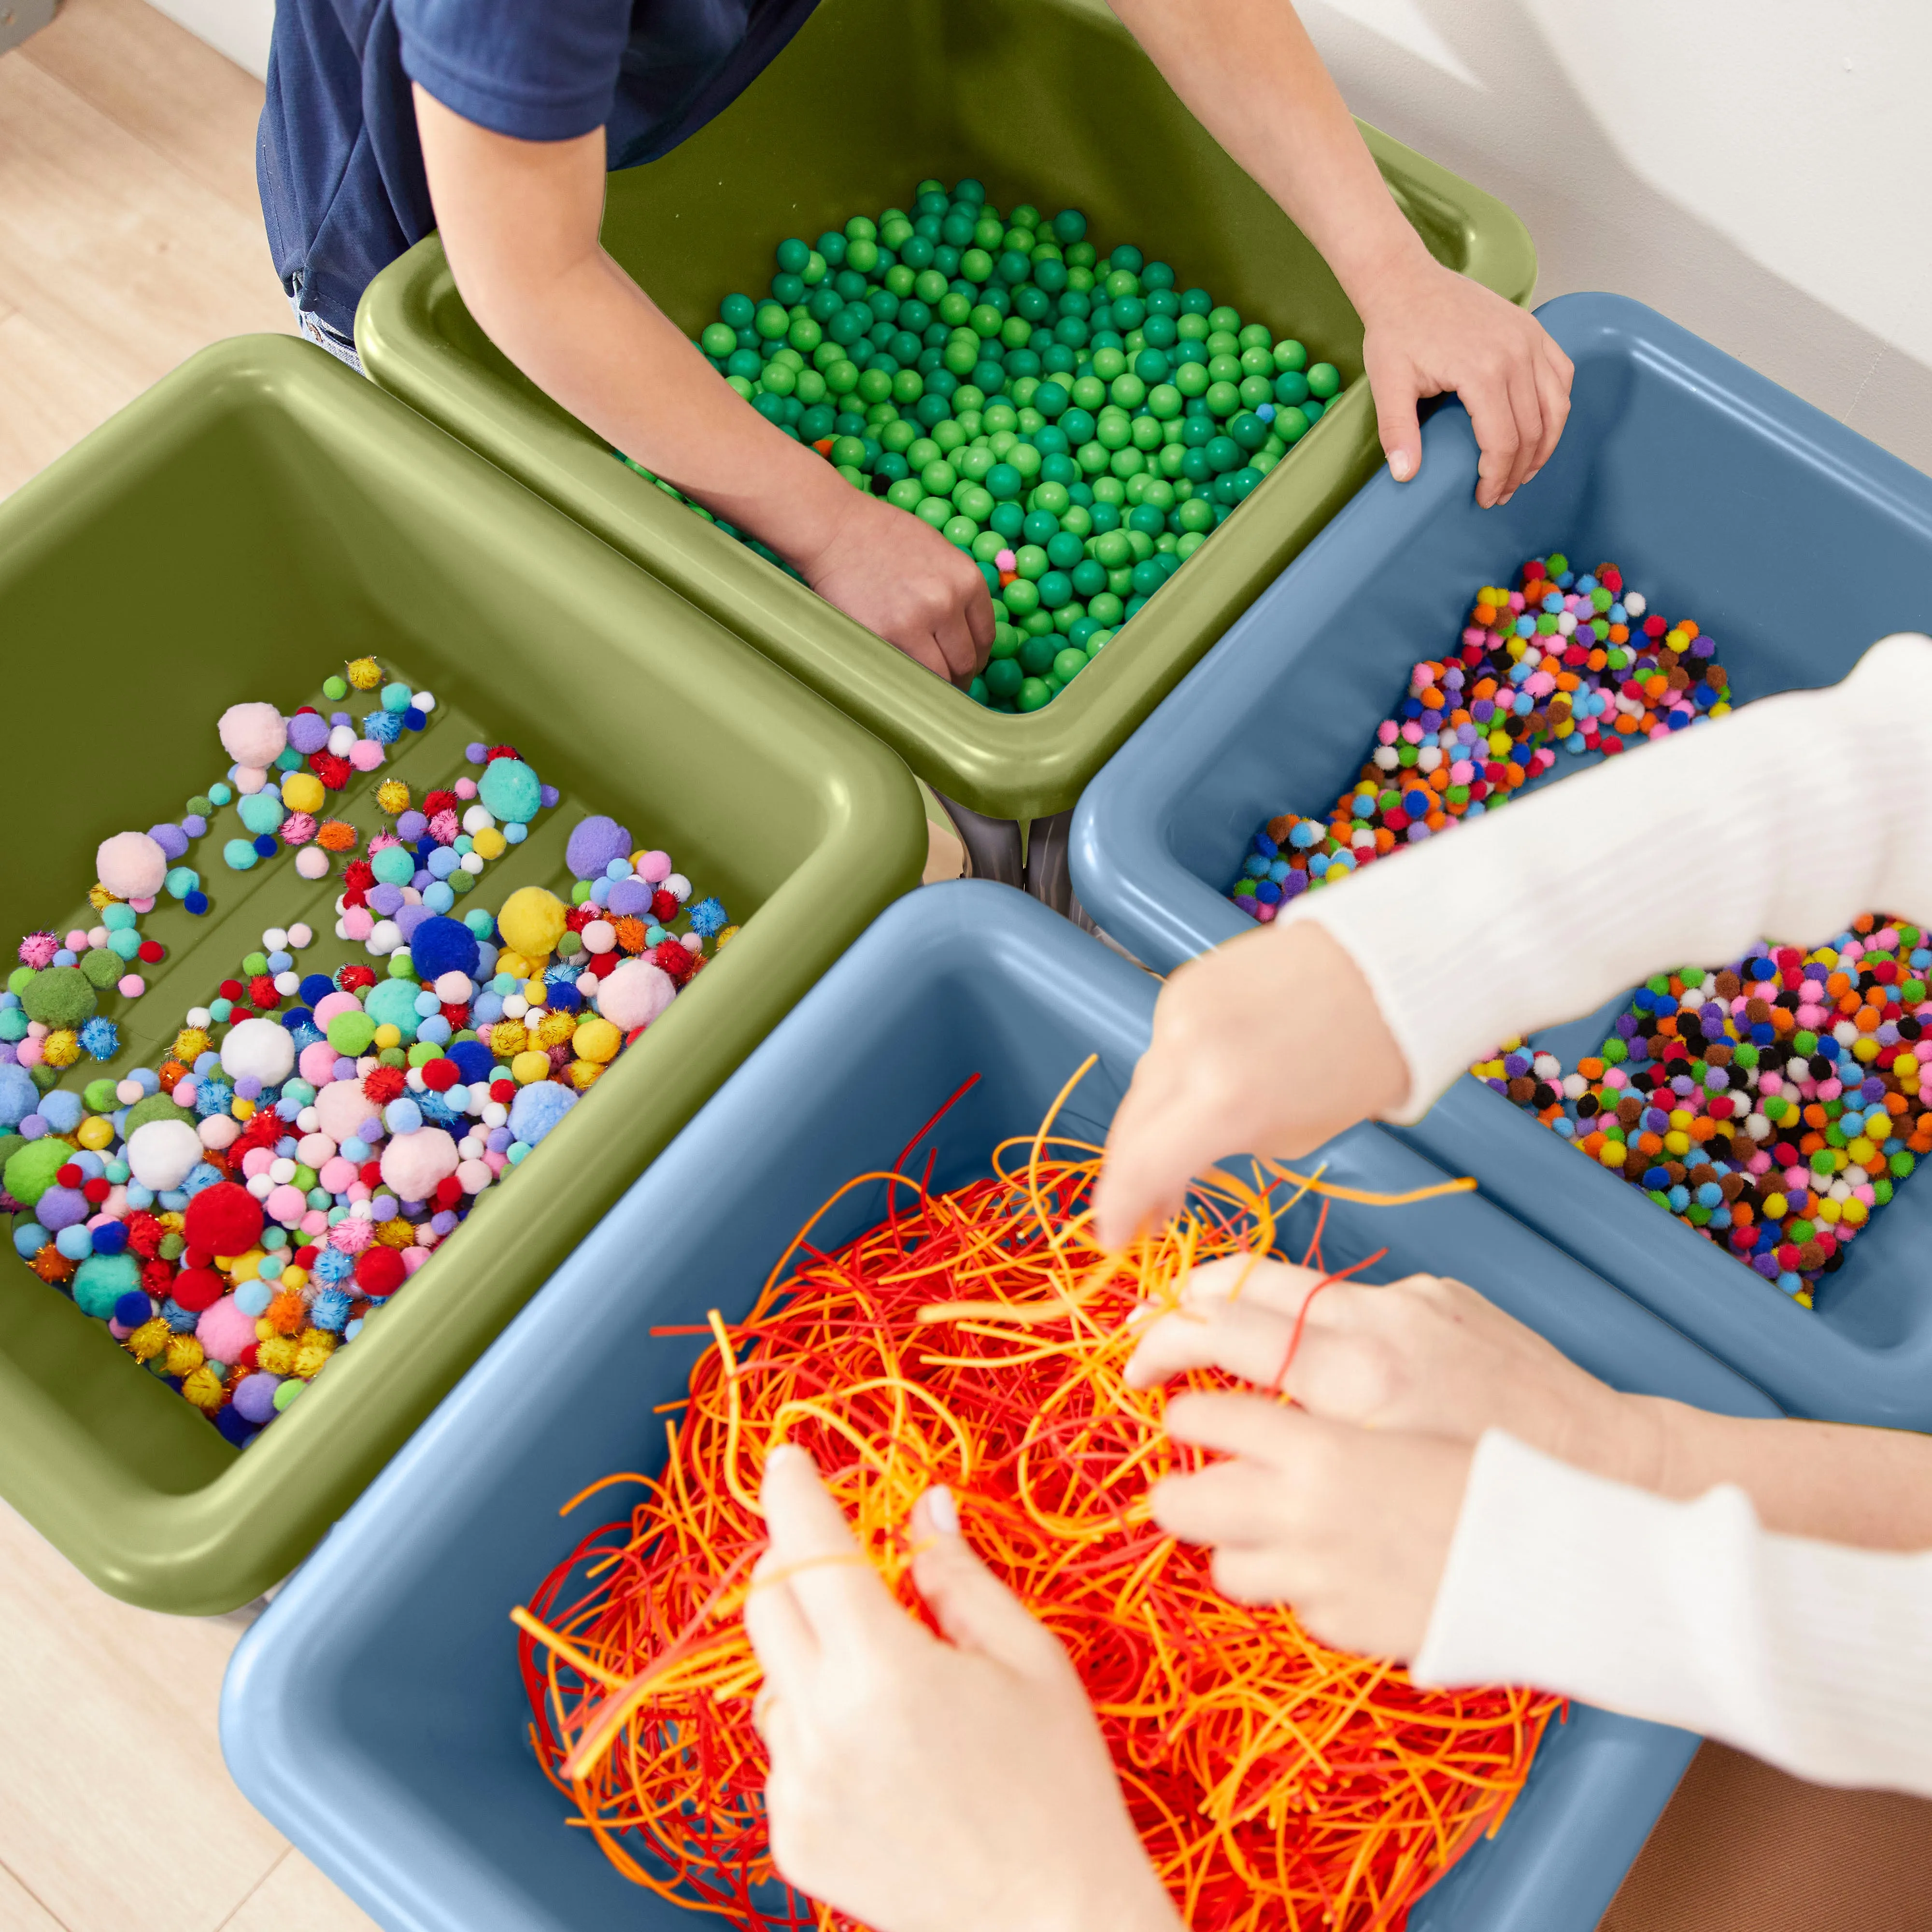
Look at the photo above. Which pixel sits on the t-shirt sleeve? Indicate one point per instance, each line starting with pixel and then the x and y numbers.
pixel 536 70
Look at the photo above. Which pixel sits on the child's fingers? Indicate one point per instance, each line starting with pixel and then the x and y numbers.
pixel 1241 1337
pixel 839 1594
pixel 1552 384
pixel 1234 1504
pixel 1487 399
pixel 1526 409
pixel 1395 392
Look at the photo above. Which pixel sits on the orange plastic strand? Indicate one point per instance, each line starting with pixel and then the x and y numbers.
pixel 978 1338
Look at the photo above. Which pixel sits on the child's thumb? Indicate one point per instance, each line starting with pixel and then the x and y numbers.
pixel 1401 433
pixel 975 1610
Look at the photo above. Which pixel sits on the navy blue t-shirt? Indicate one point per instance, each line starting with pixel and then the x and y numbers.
pixel 340 166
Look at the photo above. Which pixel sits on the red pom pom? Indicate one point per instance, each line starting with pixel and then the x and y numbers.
pixel 1654 627
pixel 371 1174
pixel 359 873
pixel 334 773
pixel 579 917
pixel 671 958
pixel 457 1014
pixel 144 1233
pixel 223 1219
pixel 380 1270
pixel 664 906
pixel 503 1091
pixel 384 1084
pixel 440 801
pixel 449 1191
pixel 603 965
pixel 151 952
pixel 440 1076
pixel 96 1190
pixel 353 979
pixel 70 1175
pixel 497 751
pixel 1611 578
pixel 262 993
pixel 249 1358
pixel 305 1256
pixel 231 990
pixel 157 1277
pixel 197 1289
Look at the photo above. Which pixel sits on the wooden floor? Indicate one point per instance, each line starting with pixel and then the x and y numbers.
pixel 130 233
pixel 130 237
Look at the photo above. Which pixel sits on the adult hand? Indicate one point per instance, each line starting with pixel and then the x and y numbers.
pixel 1352 1526
pixel 900 579
pixel 1429 330
pixel 923 1784
pixel 1271 1044
pixel 1425 1355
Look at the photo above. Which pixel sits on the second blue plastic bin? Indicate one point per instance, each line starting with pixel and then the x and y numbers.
pixel 375 1713
pixel 1795 543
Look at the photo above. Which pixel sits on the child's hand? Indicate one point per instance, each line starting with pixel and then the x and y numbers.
pixel 1424 1354
pixel 1429 330
pixel 1271 1044
pixel 900 579
pixel 928 1785
pixel 1352 1526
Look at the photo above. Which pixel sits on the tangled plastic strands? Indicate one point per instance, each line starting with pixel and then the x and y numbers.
pixel 977 1338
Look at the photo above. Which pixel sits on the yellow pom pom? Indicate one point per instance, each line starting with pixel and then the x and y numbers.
pixel 529 1066
pixel 190 1043
pixel 489 843
pixel 535 991
pixel 100 898
pixel 393 796
pixel 396 1234
pixel 147 1341
pixel 514 963
pixel 387 1035
pixel 95 1133
pixel 724 937
pixel 584 1074
pixel 277 1355
pixel 532 922
pixel 62 1048
pixel 365 673
pixel 242 1110
pixel 184 1354
pixel 303 791
pixel 314 1348
pixel 555 1030
pixel 243 1268
pixel 174 1220
pixel 203 1388
pixel 294 1279
pixel 509 1038
pixel 597 1041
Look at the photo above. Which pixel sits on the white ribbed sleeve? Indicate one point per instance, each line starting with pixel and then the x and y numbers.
pixel 1815 1657
pixel 1781 822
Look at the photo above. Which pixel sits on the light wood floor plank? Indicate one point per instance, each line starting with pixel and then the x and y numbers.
pixel 20 1911
pixel 116 1811
pixel 295 1897
pixel 161 86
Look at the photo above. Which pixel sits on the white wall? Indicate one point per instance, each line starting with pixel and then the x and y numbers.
pixel 1758 169
pixel 239 29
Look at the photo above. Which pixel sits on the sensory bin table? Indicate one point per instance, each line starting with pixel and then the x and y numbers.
pixel 1044 101
pixel 1794 543
pixel 375 1712
pixel 258 517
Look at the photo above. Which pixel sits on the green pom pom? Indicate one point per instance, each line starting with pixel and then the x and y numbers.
pixel 101 1281
pixel 30 1171
pixel 155 1107
pixel 102 966
pixel 59 996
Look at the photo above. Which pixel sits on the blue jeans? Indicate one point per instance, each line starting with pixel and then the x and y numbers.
pixel 319 332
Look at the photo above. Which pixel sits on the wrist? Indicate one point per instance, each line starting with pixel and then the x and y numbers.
pixel 1383 273
pixel 1625 1439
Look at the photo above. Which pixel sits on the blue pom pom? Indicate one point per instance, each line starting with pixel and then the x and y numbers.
pixel 708 917
pixel 200 1177
pixel 211 1096
pixel 180 1319
pixel 100 1039
pixel 537 1109
pixel 267 846
pixel 440 945
pixel 61 1110
pixel 315 986
pixel 474 1061
pixel 560 993
pixel 196 902
pixel 382 727
pixel 437 1111
pixel 329 1310
pixel 132 1308
pixel 110 1238
pixel 332 1265
pixel 235 1426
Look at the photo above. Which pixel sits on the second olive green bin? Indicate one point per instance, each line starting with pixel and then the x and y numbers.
pixel 1047 101
pixel 257 518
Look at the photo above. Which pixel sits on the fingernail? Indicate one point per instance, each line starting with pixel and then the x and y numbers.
pixel 1401 465
pixel 941 1511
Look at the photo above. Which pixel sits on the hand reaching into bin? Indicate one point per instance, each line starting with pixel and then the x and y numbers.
pixel 1250 73
pixel 923 1783
pixel 519 220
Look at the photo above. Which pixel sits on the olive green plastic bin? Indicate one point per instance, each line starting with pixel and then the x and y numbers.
pixel 257 517
pixel 1047 101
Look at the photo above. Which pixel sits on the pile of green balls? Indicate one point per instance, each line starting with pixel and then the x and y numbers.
pixel 1081 427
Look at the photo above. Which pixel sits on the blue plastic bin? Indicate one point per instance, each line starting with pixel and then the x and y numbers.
pixel 375 1712
pixel 1795 543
